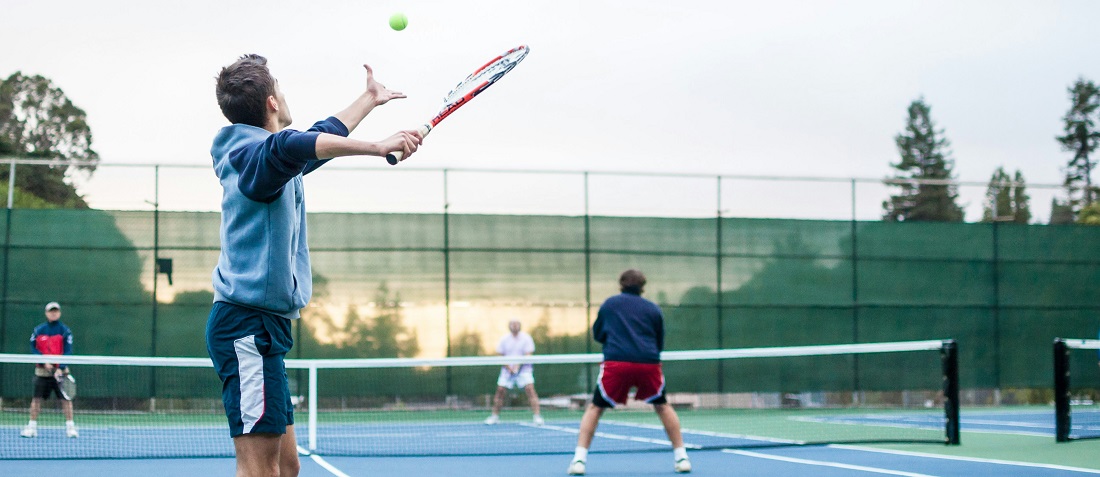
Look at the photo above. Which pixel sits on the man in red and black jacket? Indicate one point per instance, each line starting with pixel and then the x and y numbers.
pixel 51 338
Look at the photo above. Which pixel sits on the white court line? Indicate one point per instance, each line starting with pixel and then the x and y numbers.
pixel 708 433
pixel 822 463
pixel 966 459
pixel 996 422
pixel 609 435
pixel 848 422
pixel 321 462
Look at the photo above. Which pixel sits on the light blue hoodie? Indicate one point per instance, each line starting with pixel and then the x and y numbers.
pixel 264 261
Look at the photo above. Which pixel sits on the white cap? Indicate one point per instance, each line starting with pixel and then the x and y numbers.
pixel 51 305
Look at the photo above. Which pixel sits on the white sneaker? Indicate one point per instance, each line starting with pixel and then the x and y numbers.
pixel 682 466
pixel 29 432
pixel 538 420
pixel 577 468
pixel 71 432
pixel 492 419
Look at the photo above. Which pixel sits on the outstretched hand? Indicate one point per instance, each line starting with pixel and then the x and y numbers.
pixel 378 91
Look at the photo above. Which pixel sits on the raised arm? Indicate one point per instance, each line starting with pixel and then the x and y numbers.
pixel 375 95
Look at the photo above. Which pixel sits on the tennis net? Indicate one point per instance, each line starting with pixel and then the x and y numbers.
pixel 1076 389
pixel 131 407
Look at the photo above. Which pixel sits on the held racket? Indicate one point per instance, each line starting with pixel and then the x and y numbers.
pixel 472 86
pixel 67 383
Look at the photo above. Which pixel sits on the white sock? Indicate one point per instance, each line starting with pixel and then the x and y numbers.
pixel 581 454
pixel 679 453
pixel 70 424
pixel 32 423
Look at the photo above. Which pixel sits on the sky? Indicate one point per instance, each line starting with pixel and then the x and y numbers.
pixel 779 88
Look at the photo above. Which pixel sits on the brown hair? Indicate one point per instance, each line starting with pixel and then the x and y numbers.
pixel 243 88
pixel 632 281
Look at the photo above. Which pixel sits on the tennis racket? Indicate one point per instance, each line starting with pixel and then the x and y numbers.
pixel 67 383
pixel 472 86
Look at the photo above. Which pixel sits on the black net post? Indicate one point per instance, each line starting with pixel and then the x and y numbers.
pixel 949 354
pixel 1061 391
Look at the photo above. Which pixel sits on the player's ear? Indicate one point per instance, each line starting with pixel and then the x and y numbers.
pixel 272 104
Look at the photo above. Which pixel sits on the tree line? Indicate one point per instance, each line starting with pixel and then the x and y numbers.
pixel 924 172
pixel 37 120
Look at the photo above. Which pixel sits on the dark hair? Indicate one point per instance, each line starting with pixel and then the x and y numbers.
pixel 243 88
pixel 632 281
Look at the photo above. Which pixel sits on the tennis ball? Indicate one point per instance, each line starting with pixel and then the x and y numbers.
pixel 399 21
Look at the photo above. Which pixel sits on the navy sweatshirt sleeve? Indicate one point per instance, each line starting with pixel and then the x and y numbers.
pixel 598 332
pixel 68 336
pixel 329 126
pixel 68 340
pixel 34 337
pixel 265 167
pixel 660 326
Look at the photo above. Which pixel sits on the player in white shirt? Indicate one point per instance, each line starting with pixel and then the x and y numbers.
pixel 517 343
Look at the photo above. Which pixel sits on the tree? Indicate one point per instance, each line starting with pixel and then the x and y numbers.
pixel 382 336
pixel 37 120
pixel 386 336
pixel 468 343
pixel 1061 213
pixel 924 155
pixel 1081 138
pixel 1007 199
pixel 1090 215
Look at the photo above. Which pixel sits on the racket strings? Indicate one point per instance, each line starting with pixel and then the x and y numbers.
pixel 488 74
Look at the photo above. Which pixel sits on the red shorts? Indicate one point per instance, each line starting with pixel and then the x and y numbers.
pixel 617 377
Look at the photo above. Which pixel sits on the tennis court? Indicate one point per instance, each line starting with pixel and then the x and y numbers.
pixel 623 447
pixel 429 432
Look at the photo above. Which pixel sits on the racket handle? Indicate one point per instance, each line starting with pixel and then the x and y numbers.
pixel 394 157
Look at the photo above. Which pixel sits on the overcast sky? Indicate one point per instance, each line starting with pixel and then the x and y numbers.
pixel 709 87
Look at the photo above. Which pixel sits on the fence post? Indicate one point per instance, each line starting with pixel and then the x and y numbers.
pixel 447 273
pixel 718 284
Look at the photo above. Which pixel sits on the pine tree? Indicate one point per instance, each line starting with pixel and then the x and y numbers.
pixel 924 155
pixel 1007 199
pixel 1081 138
pixel 1021 213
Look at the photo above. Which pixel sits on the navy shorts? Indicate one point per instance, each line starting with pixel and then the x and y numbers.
pixel 247 347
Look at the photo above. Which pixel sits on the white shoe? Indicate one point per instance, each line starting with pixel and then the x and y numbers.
pixel 29 432
pixel 538 420
pixel 493 419
pixel 71 432
pixel 682 466
pixel 577 468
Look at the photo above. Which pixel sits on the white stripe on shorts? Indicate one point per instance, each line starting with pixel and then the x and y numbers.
pixel 250 368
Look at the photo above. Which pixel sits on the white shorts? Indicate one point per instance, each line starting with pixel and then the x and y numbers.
pixel 519 380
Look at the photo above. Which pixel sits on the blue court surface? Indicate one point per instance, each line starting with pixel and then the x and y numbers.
pixel 821 461
pixel 620 449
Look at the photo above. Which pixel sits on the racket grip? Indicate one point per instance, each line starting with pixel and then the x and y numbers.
pixel 394 157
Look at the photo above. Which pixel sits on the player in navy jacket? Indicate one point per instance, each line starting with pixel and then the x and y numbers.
pixel 263 275
pixel 632 332
pixel 51 338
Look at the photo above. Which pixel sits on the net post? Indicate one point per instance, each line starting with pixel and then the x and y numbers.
pixel 312 408
pixel 1061 391
pixel 949 354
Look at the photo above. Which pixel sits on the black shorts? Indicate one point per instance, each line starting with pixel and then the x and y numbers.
pixel 43 386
